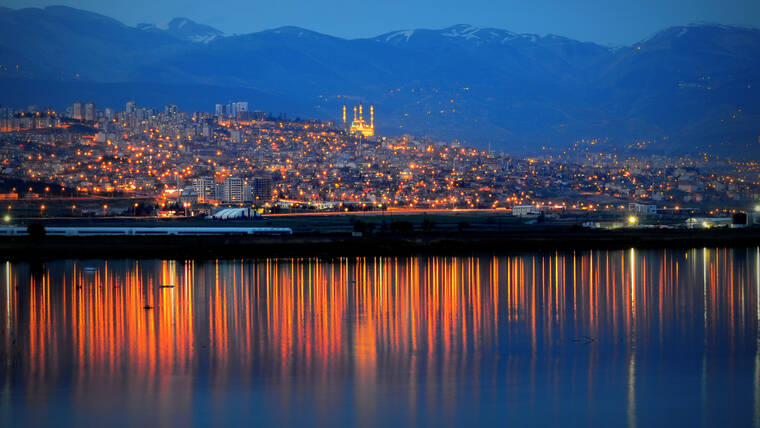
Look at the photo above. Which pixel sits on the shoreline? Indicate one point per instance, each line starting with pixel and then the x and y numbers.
pixel 24 248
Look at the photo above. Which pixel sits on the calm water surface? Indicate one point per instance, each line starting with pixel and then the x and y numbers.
pixel 602 338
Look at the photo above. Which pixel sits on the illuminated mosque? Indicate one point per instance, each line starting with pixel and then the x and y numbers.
pixel 358 125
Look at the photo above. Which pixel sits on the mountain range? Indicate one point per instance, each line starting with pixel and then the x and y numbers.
pixel 686 89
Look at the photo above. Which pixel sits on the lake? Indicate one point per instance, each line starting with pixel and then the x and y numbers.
pixel 589 338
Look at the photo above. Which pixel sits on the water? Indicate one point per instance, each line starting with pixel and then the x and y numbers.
pixel 601 338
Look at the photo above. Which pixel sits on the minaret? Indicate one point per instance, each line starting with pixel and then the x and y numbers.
pixel 355 114
pixel 344 115
pixel 361 113
pixel 372 117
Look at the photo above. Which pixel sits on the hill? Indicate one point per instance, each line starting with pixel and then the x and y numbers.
pixel 685 89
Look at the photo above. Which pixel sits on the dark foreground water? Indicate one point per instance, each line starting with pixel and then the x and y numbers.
pixel 602 338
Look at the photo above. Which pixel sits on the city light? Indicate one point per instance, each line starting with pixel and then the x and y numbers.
pixel 324 165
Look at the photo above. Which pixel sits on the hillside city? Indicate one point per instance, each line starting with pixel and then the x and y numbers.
pixel 192 163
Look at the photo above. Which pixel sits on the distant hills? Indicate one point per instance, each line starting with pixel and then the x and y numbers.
pixel 685 89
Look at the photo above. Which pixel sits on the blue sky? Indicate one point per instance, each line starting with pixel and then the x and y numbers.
pixel 612 22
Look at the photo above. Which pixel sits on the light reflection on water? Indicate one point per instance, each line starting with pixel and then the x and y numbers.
pixel 636 338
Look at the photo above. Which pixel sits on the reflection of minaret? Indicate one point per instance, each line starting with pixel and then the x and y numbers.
pixel 704 332
pixel 757 346
pixel 631 407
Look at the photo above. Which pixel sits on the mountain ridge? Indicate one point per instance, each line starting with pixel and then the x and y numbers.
pixel 693 87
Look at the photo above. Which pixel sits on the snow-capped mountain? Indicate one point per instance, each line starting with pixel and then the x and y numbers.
pixel 694 85
pixel 186 30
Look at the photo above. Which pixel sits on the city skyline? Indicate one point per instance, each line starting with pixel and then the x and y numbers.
pixel 197 162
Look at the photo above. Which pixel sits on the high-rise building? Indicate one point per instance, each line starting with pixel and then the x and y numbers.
pixel 90 112
pixel 238 108
pixel 171 109
pixel 233 189
pixel 234 109
pixel 130 107
pixel 77 110
pixel 205 188
pixel 108 113
pixel 261 188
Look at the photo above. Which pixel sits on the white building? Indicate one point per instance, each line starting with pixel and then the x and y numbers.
pixel 235 214
pixel 90 112
pixel 636 208
pixel 233 189
pixel 238 107
pixel 525 211
pixel 205 188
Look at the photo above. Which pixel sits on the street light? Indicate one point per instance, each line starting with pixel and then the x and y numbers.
pixel 632 220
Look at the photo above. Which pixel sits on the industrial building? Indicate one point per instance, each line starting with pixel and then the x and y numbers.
pixel 235 214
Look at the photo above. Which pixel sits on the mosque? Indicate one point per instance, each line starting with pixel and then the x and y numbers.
pixel 358 125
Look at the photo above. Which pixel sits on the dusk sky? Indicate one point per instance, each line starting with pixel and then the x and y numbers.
pixel 613 22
